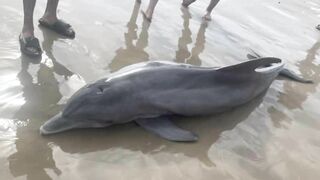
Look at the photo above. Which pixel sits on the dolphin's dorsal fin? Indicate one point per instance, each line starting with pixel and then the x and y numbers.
pixel 250 65
pixel 163 127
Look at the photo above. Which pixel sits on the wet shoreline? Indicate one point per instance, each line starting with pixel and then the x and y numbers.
pixel 275 137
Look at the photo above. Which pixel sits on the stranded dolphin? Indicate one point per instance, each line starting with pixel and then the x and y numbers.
pixel 150 93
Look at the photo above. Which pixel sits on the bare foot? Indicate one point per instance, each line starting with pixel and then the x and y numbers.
pixel 204 23
pixel 147 15
pixel 186 3
pixel 207 17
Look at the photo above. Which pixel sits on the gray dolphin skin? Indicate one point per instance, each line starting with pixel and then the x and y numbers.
pixel 151 93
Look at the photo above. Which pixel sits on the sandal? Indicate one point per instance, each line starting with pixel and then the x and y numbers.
pixel 30 46
pixel 59 27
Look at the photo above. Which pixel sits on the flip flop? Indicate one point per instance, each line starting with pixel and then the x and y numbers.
pixel 59 27
pixel 30 46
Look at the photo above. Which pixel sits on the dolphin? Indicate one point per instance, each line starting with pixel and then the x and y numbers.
pixel 150 93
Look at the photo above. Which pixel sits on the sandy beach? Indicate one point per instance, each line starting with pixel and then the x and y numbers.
pixel 276 136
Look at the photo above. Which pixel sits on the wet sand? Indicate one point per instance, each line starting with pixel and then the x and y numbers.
pixel 275 136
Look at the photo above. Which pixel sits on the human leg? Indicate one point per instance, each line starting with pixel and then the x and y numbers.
pixel 29 45
pixel 149 12
pixel 210 7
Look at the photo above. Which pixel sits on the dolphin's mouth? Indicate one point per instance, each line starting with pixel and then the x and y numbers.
pixel 59 123
pixel 55 125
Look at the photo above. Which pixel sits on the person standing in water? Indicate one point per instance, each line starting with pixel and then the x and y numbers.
pixel 152 4
pixel 29 44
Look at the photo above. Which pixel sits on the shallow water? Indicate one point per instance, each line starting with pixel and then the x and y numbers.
pixel 274 137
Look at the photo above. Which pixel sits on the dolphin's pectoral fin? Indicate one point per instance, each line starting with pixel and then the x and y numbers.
pixel 163 127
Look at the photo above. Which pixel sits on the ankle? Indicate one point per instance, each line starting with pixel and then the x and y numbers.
pixel 149 13
pixel 27 32
pixel 50 18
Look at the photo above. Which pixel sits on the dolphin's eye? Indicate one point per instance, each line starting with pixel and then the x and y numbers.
pixel 99 90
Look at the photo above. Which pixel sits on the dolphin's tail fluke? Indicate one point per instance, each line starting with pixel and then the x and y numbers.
pixel 291 75
pixel 284 72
